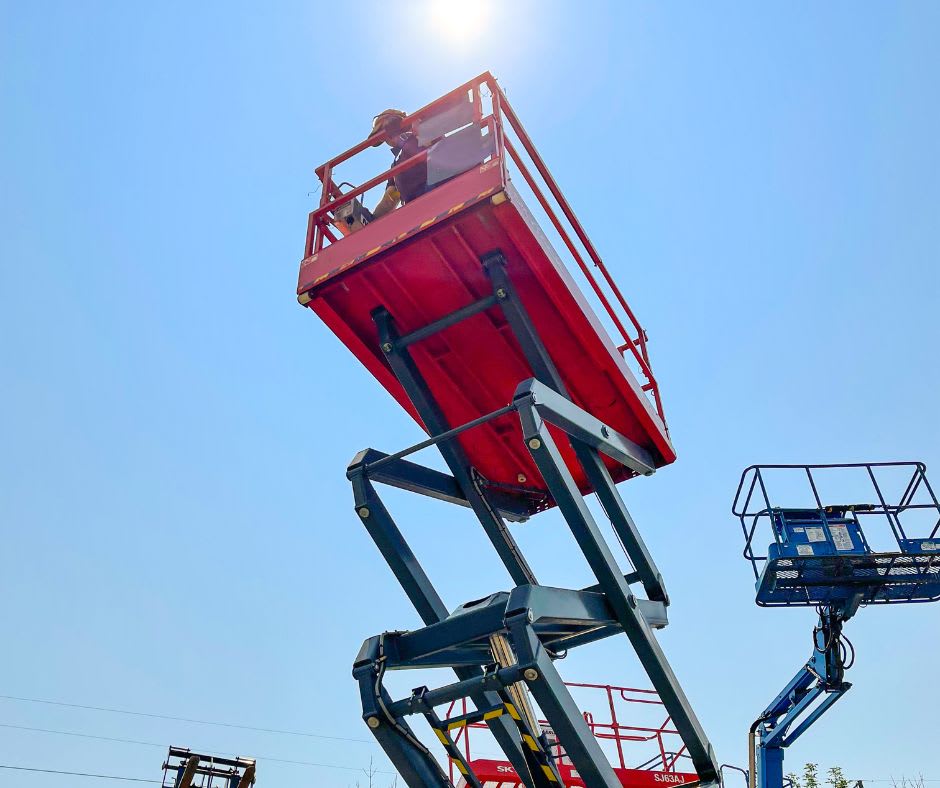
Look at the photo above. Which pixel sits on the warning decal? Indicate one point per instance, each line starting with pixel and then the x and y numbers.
pixel 841 537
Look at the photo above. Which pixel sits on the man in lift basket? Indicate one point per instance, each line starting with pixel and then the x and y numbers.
pixel 412 182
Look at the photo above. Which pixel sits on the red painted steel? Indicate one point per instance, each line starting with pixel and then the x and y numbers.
pixel 422 262
pixel 661 740
pixel 492 773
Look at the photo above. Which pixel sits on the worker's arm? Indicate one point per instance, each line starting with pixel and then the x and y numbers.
pixel 388 203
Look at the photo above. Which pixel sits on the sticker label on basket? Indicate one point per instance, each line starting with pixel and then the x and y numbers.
pixel 816 534
pixel 930 546
pixel 804 549
pixel 841 537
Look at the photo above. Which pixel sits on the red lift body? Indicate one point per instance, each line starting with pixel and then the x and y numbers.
pixel 422 262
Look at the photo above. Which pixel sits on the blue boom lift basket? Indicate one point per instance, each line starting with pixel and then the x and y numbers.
pixel 819 553
pixel 820 556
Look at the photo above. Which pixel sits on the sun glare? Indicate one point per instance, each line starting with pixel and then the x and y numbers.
pixel 458 21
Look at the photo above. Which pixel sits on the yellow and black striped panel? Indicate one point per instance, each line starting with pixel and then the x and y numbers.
pixel 453 752
pixel 540 755
pixel 443 727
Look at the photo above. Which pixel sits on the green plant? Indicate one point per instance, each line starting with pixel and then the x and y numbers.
pixel 837 778
pixel 811 775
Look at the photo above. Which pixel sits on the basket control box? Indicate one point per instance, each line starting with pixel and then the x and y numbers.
pixel 815 532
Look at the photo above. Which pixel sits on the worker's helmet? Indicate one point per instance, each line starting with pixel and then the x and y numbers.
pixel 386 118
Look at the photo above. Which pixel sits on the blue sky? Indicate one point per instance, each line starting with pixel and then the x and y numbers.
pixel 178 534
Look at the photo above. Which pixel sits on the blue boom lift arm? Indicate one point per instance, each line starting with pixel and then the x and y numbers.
pixel 809 695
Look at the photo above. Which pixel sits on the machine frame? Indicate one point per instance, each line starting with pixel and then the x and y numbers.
pixel 530 615
pixel 183 767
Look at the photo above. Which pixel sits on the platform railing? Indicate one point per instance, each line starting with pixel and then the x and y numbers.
pixel 620 733
pixel 754 505
pixel 664 736
pixel 332 198
pixel 633 339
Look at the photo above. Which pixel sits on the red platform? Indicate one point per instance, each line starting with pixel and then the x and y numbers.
pixel 633 742
pixel 500 773
pixel 422 262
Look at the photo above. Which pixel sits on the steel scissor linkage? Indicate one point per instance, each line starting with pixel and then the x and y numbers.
pixel 534 623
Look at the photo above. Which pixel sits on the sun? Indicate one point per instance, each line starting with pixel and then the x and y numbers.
pixel 458 21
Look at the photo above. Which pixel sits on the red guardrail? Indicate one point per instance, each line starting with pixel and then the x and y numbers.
pixel 633 337
pixel 612 730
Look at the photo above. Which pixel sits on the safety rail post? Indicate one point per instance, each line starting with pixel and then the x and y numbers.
pixel 618 732
pixel 569 213
pixel 501 104
pixel 346 197
pixel 616 728
pixel 893 522
pixel 324 172
pixel 556 222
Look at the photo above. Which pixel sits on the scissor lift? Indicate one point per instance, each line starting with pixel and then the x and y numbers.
pixel 459 305
pixel 821 557
pixel 641 744
pixel 184 768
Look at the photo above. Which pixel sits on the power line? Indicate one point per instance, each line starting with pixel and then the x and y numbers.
pixel 260 758
pixel 111 710
pixel 85 735
pixel 79 774
pixel 154 715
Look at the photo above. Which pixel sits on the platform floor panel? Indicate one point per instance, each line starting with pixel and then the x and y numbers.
pixel 473 367
pixel 494 773
pixel 881 578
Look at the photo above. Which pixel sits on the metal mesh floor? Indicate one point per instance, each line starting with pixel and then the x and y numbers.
pixel 881 578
